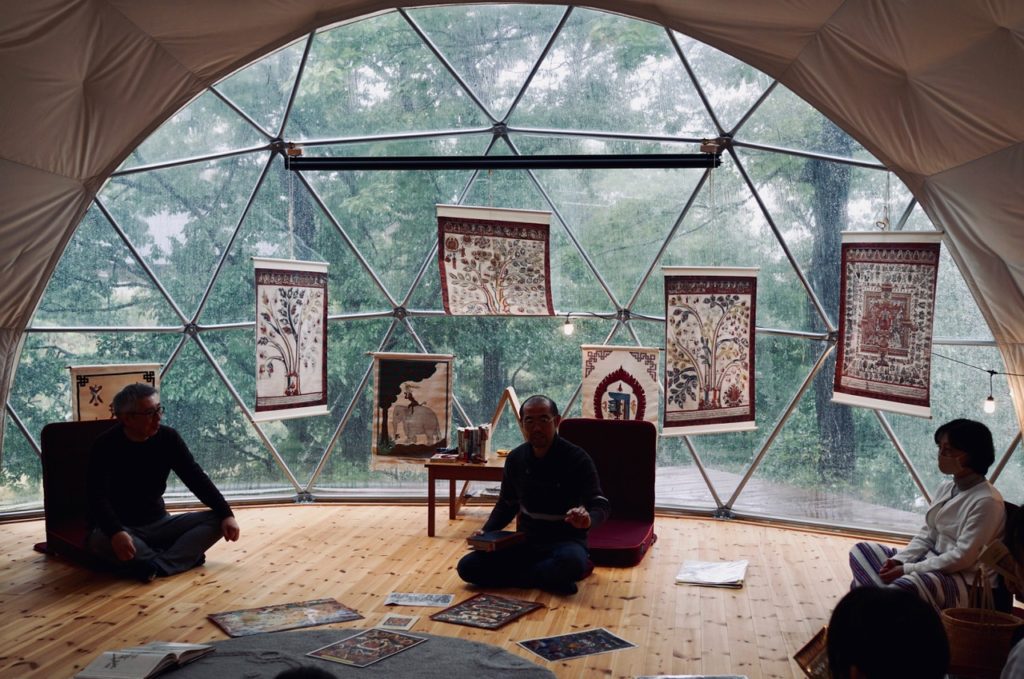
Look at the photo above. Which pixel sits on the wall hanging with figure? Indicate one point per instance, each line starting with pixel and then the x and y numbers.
pixel 412 397
pixel 93 386
pixel 620 383
pixel 494 261
pixel 291 338
pixel 709 349
pixel 886 314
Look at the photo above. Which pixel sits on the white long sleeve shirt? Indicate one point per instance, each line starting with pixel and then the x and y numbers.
pixel 957 527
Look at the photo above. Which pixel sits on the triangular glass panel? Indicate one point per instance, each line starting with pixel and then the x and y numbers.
pixel 23 471
pixel 610 73
pixel 204 127
pixel 679 482
pixel 285 222
pixel 785 120
pixel 725 228
pixel 262 88
pixel 391 216
pixel 180 219
pixel 491 47
pixel 781 364
pixel 730 85
pixel 917 221
pixel 832 464
pixel 956 313
pixel 222 441
pixel 99 282
pixel 812 202
pixel 375 77
pixel 621 218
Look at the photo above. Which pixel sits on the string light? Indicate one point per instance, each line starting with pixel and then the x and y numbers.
pixel 989 404
pixel 568 328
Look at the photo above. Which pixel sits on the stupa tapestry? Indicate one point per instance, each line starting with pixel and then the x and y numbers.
pixel 412 397
pixel 709 349
pixel 93 387
pixel 291 338
pixel 494 261
pixel 886 314
pixel 620 383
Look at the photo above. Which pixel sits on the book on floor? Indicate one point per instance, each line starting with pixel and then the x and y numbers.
pixel 141 662
pixel 713 573
pixel 813 656
pixel 495 540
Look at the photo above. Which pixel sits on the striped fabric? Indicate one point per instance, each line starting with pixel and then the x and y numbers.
pixel 941 590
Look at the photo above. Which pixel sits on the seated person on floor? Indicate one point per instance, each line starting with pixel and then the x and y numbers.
pixel 552 486
pixel 128 471
pixel 878 633
pixel 967 513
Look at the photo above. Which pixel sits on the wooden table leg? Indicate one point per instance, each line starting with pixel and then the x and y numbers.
pixel 452 507
pixel 430 503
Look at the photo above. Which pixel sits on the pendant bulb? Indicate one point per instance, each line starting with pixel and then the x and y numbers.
pixel 990 405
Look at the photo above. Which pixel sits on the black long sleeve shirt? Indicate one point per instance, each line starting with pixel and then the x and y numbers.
pixel 127 479
pixel 542 490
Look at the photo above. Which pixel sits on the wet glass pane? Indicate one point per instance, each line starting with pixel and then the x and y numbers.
pixel 261 89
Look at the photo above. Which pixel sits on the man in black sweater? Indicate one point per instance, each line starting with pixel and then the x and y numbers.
pixel 128 471
pixel 552 485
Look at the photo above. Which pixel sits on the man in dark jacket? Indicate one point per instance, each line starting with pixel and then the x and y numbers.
pixel 128 471
pixel 552 486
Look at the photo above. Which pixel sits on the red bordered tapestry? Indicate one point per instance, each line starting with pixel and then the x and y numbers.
pixel 93 387
pixel 291 338
pixel 620 383
pixel 886 314
pixel 494 261
pixel 412 396
pixel 709 349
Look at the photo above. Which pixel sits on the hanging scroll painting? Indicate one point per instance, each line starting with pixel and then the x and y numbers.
pixel 412 397
pixel 620 383
pixel 93 387
pixel 709 350
pixel 291 338
pixel 494 261
pixel 886 314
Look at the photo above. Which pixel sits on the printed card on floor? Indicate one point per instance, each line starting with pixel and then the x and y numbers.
pixel 419 599
pixel 575 645
pixel 399 622
pixel 487 611
pixel 283 616
pixel 367 647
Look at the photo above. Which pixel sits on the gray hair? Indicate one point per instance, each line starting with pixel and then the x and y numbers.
pixel 126 399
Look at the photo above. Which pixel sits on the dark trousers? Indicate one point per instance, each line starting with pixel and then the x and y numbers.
pixel 542 564
pixel 174 543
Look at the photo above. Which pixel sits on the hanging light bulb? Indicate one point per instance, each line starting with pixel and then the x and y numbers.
pixel 989 406
pixel 568 329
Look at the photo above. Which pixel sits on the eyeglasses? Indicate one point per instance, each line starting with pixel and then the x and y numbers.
pixel 152 412
pixel 543 419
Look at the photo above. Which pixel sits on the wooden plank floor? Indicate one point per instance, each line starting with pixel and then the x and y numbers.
pixel 57 617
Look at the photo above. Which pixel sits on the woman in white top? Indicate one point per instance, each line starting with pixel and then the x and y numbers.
pixel 967 513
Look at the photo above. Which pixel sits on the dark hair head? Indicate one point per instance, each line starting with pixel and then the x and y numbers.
pixel 539 398
pixel 886 632
pixel 973 438
pixel 126 399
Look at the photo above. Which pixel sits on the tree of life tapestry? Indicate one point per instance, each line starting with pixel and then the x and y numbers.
pixel 709 349
pixel 93 386
pixel 620 383
pixel 291 338
pixel 494 261
pixel 412 397
pixel 886 312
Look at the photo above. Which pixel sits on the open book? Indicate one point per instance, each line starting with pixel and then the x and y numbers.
pixel 141 662
pixel 713 573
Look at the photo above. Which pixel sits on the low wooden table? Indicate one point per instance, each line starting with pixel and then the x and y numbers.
pixel 491 470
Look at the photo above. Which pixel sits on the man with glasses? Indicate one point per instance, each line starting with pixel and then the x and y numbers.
pixel 128 471
pixel 552 486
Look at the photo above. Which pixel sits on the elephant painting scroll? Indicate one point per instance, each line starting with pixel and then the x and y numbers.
pixel 412 421
pixel 412 408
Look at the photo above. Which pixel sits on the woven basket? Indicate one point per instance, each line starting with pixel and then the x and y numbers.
pixel 979 640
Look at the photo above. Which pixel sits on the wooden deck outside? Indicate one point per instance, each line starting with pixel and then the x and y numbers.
pixel 57 617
